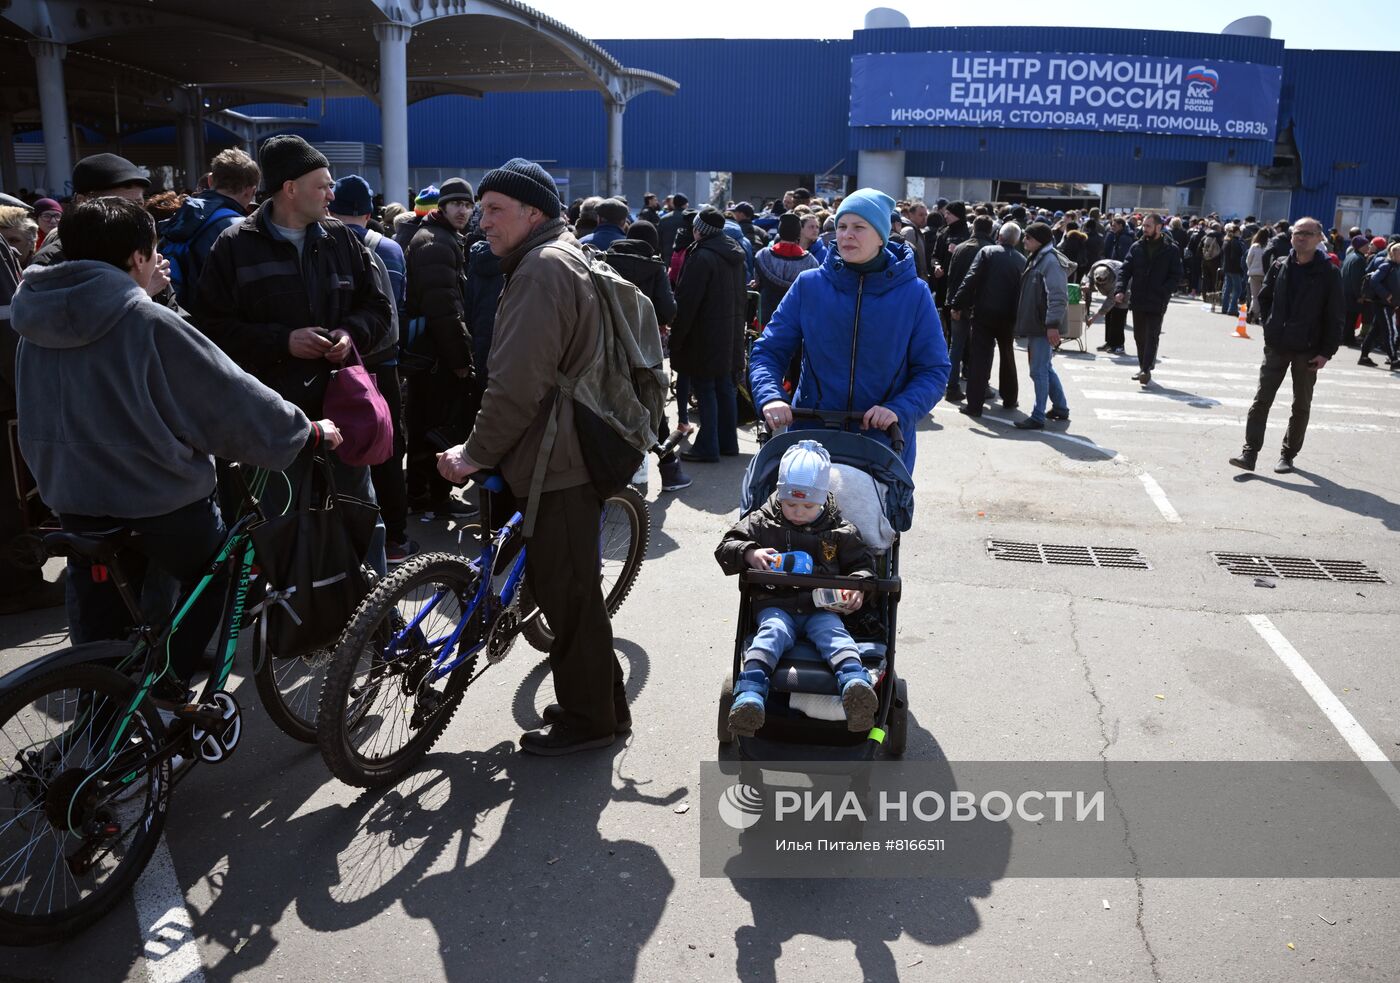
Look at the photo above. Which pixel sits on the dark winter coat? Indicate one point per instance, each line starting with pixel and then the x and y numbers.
pixel 666 230
pixel 707 337
pixel 961 262
pixel 436 260
pixel 1353 275
pixel 991 286
pixel 833 543
pixel 635 261
pixel 1150 276
pixel 480 297
pixel 255 291
pixel 1117 244
pixel 1303 306
pixel 1232 257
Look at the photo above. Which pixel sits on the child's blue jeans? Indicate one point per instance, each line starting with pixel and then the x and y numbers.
pixel 779 629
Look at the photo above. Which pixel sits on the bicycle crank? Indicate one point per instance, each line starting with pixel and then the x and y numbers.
pixel 221 728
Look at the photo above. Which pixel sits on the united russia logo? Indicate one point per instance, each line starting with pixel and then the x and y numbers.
pixel 1202 84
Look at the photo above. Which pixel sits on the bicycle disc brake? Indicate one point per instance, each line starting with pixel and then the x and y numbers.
pixel 215 743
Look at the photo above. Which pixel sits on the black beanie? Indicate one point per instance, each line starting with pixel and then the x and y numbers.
pixel 712 217
pixel 789 227
pixel 286 158
pixel 1040 232
pixel 526 182
pixel 957 208
pixel 454 189
pixel 645 232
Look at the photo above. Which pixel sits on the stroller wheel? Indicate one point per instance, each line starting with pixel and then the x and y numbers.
pixel 726 700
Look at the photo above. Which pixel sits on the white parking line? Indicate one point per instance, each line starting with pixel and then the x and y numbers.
pixel 1159 497
pixel 1217 420
pixel 1168 364
pixel 1352 732
pixel 1078 372
pixel 167 931
pixel 1139 395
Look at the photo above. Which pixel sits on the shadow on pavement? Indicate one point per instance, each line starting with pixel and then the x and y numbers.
pixel 870 914
pixel 535 691
pixel 1081 448
pixel 1326 491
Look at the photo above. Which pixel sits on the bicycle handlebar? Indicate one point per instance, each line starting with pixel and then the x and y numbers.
pixel 834 418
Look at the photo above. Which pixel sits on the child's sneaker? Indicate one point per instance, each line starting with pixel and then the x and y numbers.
pixel 858 697
pixel 746 713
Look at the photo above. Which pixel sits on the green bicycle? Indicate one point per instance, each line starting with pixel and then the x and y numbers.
pixel 88 763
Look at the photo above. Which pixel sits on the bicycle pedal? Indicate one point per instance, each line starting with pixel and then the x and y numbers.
pixel 216 740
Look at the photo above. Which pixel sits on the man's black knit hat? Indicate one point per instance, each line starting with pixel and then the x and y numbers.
pixel 526 182
pixel 1040 232
pixel 455 189
pixel 712 217
pixel 789 227
pixel 287 157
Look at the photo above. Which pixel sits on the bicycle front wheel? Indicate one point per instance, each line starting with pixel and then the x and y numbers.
pixel 80 810
pixel 379 711
pixel 622 546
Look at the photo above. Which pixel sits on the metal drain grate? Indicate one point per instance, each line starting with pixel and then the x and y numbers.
pixel 1108 557
pixel 1298 568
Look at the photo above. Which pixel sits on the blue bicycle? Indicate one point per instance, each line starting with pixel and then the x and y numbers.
pixel 408 655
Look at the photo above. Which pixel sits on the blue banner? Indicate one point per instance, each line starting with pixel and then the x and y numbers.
pixel 1108 93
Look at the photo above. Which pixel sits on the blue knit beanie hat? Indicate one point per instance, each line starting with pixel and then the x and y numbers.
pixel 804 474
pixel 873 206
pixel 352 196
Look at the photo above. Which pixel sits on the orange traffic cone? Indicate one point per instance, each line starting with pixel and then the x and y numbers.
pixel 1240 331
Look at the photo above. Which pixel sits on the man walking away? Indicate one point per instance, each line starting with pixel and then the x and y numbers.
pixel 1303 312
pixel 958 265
pixel 670 224
pixel 1148 276
pixel 988 296
pixel 1353 276
pixel 547 325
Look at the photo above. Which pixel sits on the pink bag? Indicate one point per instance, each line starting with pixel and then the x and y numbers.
pixel 354 404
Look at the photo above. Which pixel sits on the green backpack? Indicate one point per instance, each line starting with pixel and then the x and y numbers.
pixel 619 397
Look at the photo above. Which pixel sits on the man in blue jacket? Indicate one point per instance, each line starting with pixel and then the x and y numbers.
pixel 189 235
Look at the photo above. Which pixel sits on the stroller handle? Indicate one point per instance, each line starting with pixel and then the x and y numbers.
pixel 837 418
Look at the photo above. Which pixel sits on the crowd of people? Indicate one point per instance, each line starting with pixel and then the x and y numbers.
pixel 467 304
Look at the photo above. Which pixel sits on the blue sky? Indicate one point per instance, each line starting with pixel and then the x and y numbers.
pixel 1300 23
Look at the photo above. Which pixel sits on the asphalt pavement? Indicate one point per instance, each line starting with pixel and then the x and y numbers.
pixel 487 864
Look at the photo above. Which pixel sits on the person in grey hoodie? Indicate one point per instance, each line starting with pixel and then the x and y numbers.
pixel 121 405
pixel 778 265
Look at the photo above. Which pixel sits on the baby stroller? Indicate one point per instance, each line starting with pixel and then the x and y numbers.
pixel 876 494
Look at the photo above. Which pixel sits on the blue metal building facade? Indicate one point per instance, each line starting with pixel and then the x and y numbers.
pixel 781 107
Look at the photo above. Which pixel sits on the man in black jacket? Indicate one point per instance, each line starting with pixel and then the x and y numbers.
pixel 958 265
pixel 1117 243
pixel 440 398
pixel 1303 314
pixel 988 295
pixel 950 236
pixel 287 290
pixel 670 224
pixel 707 338
pixel 1146 279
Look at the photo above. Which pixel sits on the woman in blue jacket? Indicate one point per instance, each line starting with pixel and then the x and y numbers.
pixel 870 337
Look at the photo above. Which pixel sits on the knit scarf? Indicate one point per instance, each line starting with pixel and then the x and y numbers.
pixel 788 250
pixel 873 266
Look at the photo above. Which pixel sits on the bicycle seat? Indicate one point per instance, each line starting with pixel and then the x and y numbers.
pixel 100 547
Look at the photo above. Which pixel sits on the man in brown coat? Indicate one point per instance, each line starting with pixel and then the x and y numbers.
pixel 547 324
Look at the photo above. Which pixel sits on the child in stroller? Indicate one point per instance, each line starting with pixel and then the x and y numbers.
pixel 800 516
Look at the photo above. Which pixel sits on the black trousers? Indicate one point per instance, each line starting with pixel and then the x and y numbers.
pixel 168 553
pixel 436 399
pixel 388 478
pixel 1113 324
pixel 990 336
pixel 561 568
pixel 1276 365
pixel 1147 331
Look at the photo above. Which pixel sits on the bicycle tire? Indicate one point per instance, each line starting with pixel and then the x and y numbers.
pixel 630 504
pixel 30 770
pixel 335 726
pixel 290 687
